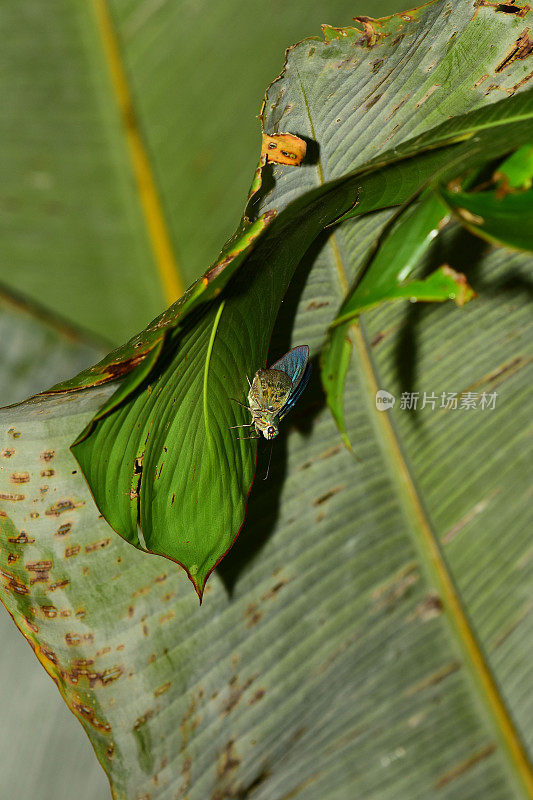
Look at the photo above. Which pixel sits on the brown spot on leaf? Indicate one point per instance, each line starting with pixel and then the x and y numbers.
pixel 521 49
pixel 47 455
pixel 64 529
pixel 13 584
pixel 259 694
pixel 430 607
pixel 434 678
pixel 464 766
pixel 40 570
pixel 63 505
pixel 253 615
pixel 89 714
pixel 48 473
pixel 143 719
pixel 72 551
pixel 390 593
pixel 90 548
pixel 50 612
pixel 19 477
pixel 275 589
pixel 162 689
pixel 7 452
pixel 12 496
pixel 166 617
pixel 22 538
pixel 14 433
pixel 328 495
pixel 236 693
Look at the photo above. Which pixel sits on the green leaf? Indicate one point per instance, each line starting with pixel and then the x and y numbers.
pixel 506 220
pixel 516 172
pixel 39 349
pixel 326 654
pixel 386 277
pixel 144 450
pixel 72 227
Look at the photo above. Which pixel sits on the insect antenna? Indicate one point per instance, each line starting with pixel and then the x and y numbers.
pixel 241 404
pixel 246 425
pixel 269 459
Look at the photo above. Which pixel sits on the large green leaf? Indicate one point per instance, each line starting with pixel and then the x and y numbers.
pixel 39 349
pixel 170 428
pixel 72 230
pixel 197 72
pixel 326 661
pixel 326 655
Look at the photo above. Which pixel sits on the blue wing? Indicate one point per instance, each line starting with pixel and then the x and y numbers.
pixel 294 363
pixel 295 394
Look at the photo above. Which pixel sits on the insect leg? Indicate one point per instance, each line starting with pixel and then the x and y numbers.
pixel 246 425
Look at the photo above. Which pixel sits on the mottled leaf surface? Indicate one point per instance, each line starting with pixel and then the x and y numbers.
pixel 325 655
pixel 175 428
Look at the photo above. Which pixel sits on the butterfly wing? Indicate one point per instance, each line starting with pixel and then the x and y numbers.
pixel 295 364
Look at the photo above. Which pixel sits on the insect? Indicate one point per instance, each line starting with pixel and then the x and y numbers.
pixel 274 391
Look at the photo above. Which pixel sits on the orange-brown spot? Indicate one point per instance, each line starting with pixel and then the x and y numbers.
pixel 168 596
pixel 464 766
pixel 434 678
pixel 7 452
pixel 58 585
pixel 22 538
pixel 253 615
pixel 12 496
pixel 283 148
pixel 50 612
pixel 142 720
pixel 19 477
pixel 166 617
pixel 63 529
pixel 12 558
pixel 47 455
pixel 328 495
pixel 522 48
pixel 30 624
pixel 236 692
pixel 162 689
pixel 48 473
pixel 13 584
pixel 90 548
pixel 63 505
pixel 14 433
pixel 275 589
pixel 256 697
pixel 430 607
pixel 88 713
pixel 40 570
pixel 72 551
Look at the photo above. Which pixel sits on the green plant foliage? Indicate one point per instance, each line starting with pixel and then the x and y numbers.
pixel 39 349
pixel 71 225
pixel 504 220
pixel 171 428
pixel 323 653
pixel 368 631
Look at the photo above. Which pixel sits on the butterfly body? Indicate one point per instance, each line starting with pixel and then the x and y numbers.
pixel 275 390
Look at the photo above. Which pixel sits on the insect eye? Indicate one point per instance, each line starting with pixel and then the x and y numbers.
pixel 271 431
